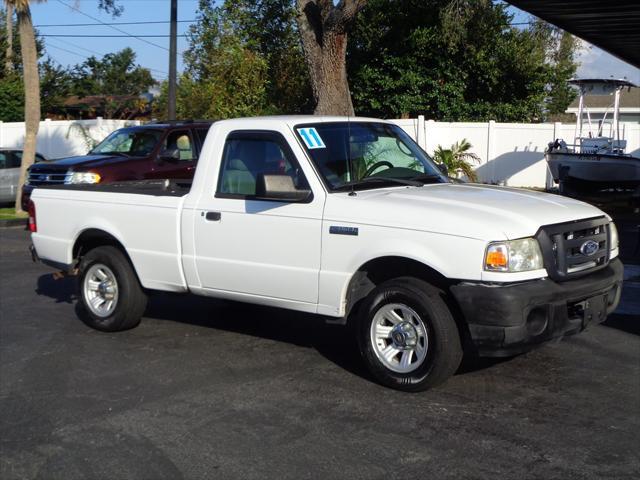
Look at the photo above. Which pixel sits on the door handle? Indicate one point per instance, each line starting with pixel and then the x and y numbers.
pixel 213 216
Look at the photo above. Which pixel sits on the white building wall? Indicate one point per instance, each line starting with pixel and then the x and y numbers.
pixel 62 138
pixel 510 153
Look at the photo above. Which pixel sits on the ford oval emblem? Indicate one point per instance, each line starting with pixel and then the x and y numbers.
pixel 589 248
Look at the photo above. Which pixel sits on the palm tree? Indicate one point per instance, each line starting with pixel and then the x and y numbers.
pixel 8 65
pixel 31 87
pixel 458 159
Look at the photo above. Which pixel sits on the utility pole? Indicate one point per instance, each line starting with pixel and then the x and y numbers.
pixel 173 48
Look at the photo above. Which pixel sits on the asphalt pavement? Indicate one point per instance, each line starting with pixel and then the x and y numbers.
pixel 206 389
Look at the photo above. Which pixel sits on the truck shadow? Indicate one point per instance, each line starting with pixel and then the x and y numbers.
pixel 62 290
pixel 336 343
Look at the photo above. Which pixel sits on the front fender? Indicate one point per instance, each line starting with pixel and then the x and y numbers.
pixel 452 257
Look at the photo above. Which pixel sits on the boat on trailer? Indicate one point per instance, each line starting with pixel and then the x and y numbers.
pixel 595 166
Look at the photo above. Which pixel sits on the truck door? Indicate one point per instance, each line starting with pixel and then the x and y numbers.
pixel 252 246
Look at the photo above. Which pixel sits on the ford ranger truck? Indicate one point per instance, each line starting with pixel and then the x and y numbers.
pixel 348 219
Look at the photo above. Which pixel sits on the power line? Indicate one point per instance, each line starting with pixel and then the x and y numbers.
pixel 68 51
pixel 108 24
pixel 110 36
pixel 93 52
pixel 111 26
pixel 163 73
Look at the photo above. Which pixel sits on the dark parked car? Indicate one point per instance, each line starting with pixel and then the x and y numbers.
pixel 155 150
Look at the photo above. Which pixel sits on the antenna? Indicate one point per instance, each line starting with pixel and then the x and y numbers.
pixel 352 193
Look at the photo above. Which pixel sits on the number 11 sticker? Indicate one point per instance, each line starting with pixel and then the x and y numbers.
pixel 311 138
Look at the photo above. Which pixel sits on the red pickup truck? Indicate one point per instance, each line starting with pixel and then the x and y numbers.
pixel 154 150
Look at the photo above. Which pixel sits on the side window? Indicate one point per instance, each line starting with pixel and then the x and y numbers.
pixel 4 160
pixel 180 140
pixel 202 134
pixel 15 160
pixel 247 155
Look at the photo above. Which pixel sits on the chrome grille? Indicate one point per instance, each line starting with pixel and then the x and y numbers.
pixel 47 176
pixel 575 248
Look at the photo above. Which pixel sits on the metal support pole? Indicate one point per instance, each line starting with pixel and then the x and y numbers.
pixel 578 134
pixel 173 49
pixel 615 126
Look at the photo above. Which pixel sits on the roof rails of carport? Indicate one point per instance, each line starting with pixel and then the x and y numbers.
pixel 612 26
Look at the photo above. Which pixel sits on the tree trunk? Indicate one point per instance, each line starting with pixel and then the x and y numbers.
pixel 31 94
pixel 323 30
pixel 8 62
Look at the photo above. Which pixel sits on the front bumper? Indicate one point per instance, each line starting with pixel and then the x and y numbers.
pixel 510 319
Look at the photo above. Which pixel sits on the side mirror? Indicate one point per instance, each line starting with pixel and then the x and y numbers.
pixel 280 188
pixel 169 155
pixel 443 168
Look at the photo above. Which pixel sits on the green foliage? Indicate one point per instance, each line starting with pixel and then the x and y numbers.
pixel 458 159
pixel 565 66
pixel 56 84
pixel 456 60
pixel 11 99
pixel 17 56
pixel 115 73
pixel 268 28
pixel 111 7
pixel 223 78
pixel 244 58
pixel 113 76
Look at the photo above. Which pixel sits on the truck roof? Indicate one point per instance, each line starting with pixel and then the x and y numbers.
pixel 177 123
pixel 298 119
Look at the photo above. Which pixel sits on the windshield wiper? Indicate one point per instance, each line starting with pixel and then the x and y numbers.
pixel 122 154
pixel 363 181
pixel 425 178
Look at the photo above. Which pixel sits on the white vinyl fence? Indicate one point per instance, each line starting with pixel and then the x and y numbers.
pixel 510 153
pixel 62 138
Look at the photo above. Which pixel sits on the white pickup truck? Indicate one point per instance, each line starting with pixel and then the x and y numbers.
pixel 348 219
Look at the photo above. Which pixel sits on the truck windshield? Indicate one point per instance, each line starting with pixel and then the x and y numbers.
pixel 366 155
pixel 129 141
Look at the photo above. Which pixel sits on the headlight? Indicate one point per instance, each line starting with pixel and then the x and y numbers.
pixel 613 237
pixel 513 256
pixel 82 177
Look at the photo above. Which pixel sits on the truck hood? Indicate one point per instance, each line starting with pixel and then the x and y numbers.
pixel 476 211
pixel 83 161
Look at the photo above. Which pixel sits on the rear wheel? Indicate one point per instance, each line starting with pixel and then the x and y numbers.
pixel 407 335
pixel 111 297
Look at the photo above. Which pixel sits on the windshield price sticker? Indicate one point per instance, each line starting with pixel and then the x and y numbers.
pixel 311 138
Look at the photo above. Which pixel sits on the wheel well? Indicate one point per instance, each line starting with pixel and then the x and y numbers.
pixel 379 270
pixel 93 238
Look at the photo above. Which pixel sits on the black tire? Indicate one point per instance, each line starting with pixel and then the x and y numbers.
pixel 131 299
pixel 444 352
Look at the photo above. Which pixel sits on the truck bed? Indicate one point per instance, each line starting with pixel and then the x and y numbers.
pixel 144 216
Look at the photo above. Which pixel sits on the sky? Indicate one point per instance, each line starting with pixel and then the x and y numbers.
pixel 69 51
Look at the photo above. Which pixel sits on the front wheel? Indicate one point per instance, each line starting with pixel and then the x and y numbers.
pixel 111 297
pixel 407 335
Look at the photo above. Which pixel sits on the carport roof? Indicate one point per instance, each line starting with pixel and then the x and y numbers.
pixel 613 26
